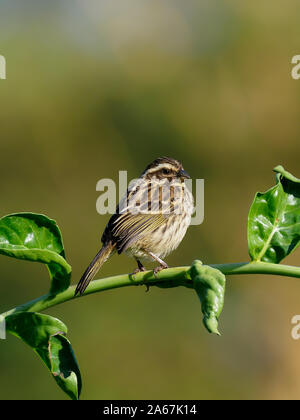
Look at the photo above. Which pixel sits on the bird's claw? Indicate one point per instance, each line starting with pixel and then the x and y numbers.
pixel 158 269
pixel 136 271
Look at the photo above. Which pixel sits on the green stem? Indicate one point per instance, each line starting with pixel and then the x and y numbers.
pixel 178 276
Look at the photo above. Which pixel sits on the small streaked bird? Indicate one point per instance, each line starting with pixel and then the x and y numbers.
pixel 150 221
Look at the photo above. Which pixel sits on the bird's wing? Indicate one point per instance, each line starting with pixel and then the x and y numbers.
pixel 129 227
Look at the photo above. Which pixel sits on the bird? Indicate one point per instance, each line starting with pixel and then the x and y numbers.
pixel 150 220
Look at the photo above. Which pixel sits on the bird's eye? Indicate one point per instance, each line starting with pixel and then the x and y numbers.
pixel 166 171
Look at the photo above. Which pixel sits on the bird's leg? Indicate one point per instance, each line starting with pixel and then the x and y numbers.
pixel 140 266
pixel 139 269
pixel 162 265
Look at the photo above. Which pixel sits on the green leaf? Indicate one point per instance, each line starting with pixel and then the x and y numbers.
pixel 274 220
pixel 64 366
pixel 45 335
pixel 209 284
pixel 35 237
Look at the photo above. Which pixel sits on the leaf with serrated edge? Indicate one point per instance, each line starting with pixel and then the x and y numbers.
pixel 274 220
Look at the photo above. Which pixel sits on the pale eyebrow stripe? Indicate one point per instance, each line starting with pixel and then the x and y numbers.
pixel 161 166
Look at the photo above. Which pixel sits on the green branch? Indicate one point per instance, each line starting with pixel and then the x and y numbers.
pixel 177 276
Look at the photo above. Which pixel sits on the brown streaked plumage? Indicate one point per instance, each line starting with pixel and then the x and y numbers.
pixel 150 221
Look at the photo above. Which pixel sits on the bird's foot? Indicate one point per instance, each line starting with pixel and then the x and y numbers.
pixel 136 271
pixel 159 268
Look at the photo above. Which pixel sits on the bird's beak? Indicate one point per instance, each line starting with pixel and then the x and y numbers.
pixel 183 174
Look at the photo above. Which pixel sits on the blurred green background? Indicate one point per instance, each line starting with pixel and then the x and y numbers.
pixel 94 87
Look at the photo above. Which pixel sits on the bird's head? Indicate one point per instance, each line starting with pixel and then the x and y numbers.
pixel 165 168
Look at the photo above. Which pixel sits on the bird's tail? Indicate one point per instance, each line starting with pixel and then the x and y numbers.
pixel 94 266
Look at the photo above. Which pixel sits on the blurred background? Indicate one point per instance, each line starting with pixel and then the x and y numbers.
pixel 98 86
